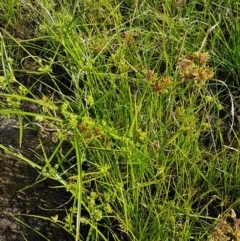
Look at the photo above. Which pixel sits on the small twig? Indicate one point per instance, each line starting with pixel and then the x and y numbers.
pixel 208 32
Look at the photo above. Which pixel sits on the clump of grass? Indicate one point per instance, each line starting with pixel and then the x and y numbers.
pixel 142 115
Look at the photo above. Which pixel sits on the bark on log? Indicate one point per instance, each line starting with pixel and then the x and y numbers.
pixel 14 176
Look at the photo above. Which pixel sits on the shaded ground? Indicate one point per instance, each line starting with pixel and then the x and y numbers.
pixel 15 175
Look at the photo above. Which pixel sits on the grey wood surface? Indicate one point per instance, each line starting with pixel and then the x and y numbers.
pixel 14 176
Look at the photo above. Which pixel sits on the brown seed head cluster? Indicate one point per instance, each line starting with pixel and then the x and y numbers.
pixel 159 84
pixel 224 228
pixel 194 67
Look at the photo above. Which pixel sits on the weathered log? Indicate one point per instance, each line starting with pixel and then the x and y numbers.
pixel 15 175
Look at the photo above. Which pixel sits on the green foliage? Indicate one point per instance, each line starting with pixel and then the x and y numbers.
pixel 145 115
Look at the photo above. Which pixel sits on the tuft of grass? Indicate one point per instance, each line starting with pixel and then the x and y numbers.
pixel 139 92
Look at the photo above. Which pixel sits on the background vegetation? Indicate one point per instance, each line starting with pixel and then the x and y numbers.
pixel 144 95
